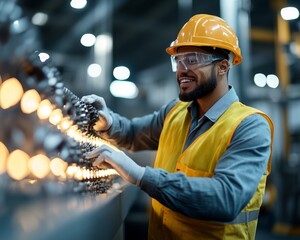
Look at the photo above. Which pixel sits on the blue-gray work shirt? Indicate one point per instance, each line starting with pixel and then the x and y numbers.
pixel 237 173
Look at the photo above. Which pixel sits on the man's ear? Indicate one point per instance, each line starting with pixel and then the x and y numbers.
pixel 223 67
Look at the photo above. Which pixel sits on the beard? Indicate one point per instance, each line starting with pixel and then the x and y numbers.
pixel 201 91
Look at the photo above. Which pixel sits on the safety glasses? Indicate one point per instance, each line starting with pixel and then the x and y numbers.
pixel 191 59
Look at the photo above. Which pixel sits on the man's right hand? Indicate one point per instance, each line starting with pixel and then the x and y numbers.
pixel 104 118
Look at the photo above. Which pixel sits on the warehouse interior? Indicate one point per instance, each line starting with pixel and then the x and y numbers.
pixel 134 35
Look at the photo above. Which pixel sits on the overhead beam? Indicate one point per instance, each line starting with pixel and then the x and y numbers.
pixel 262 35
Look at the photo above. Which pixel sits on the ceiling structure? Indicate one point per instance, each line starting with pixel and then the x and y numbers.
pixel 141 31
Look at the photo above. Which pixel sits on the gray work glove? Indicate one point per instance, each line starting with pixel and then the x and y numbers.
pixel 105 119
pixel 118 160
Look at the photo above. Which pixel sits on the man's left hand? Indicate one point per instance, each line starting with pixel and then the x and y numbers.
pixel 123 164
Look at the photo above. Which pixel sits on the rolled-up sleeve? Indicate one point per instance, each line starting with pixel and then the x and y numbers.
pixel 141 133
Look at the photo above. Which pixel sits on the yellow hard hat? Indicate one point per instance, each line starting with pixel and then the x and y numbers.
pixel 203 30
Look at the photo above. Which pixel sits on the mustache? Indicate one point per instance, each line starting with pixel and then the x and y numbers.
pixel 181 75
pixel 184 74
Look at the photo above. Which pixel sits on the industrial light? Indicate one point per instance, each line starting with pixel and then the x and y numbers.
pixel 260 79
pixel 3 157
pixel 39 165
pixel 104 44
pixel 94 70
pixel 78 4
pixel 19 26
pixel 39 19
pixel 121 73
pixel 56 116
pixel 44 56
pixel 88 40
pixel 123 89
pixel 45 109
pixel 58 167
pixel 272 81
pixel 30 101
pixel 17 165
pixel 289 13
pixel 11 92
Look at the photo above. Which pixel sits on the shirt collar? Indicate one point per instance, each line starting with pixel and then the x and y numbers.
pixel 218 108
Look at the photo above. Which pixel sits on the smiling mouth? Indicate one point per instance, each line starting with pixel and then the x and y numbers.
pixel 184 82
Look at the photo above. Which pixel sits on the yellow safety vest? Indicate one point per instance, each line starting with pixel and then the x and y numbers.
pixel 211 145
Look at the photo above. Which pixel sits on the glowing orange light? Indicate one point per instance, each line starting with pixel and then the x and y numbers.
pixel 17 165
pixel 30 101
pixel 3 157
pixel 65 124
pixel 11 92
pixel 71 170
pixel 56 116
pixel 39 165
pixel 44 109
pixel 58 167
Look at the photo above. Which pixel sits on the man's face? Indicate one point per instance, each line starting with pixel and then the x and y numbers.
pixel 195 81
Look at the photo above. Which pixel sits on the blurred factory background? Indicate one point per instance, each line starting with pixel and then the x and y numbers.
pixel 116 49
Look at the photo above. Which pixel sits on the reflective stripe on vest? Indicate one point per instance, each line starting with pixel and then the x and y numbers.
pixel 244 217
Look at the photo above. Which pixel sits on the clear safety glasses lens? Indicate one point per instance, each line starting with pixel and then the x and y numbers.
pixel 190 59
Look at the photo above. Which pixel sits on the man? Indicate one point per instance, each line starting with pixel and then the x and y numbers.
pixel 213 152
